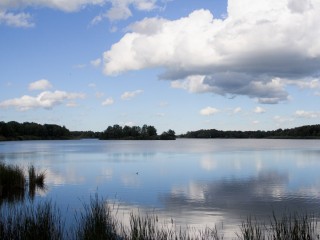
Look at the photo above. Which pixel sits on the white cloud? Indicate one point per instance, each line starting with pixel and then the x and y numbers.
pixel 42 84
pixel 92 85
pixel 280 120
pixel 116 9
pixel 71 104
pixel 120 9
pixel 255 122
pixel 96 63
pixel 307 83
pixel 129 95
pixel 209 111
pixel 23 20
pixel 259 110
pixel 63 5
pixel 192 84
pixel 108 101
pixel 45 100
pixel 237 110
pixel 247 53
pixel 307 114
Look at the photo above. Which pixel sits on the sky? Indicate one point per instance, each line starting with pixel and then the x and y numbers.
pixel 174 64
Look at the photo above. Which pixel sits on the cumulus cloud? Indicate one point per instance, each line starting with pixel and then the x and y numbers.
pixel 306 83
pixel 208 111
pixel 194 84
pixel 130 95
pixel 258 44
pixel 108 101
pixel 120 9
pixel 96 63
pixel 63 5
pixel 42 84
pixel 46 100
pixel 307 114
pixel 280 120
pixel 259 110
pixel 237 110
pixel 116 9
pixel 23 20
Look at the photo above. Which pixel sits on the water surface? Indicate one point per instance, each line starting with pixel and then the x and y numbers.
pixel 201 182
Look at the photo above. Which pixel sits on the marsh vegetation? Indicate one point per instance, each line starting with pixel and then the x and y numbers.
pixel 27 220
pixel 96 221
pixel 14 184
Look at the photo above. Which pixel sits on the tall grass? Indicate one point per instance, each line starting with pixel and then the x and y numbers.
pixel 41 221
pixel 36 178
pixel 12 182
pixel 96 222
pixel 36 181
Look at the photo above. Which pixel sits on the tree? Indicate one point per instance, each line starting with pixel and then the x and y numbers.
pixel 169 135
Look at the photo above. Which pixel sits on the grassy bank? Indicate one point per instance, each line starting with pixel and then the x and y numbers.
pixel 95 221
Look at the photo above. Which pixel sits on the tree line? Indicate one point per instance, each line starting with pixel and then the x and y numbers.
pixel 308 131
pixel 34 131
pixel 146 132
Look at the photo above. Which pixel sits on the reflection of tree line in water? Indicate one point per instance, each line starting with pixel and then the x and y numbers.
pixel 14 184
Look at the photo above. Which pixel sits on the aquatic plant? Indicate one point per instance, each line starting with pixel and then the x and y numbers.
pixel 28 221
pixel 12 182
pixel 96 222
pixel 36 181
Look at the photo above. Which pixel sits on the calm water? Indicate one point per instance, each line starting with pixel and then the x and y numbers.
pixel 195 182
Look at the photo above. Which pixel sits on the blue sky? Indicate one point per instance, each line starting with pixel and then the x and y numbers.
pixel 183 65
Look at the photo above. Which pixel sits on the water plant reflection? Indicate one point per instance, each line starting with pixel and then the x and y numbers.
pixel 13 183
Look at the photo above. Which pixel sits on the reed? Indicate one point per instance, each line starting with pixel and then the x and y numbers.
pixel 36 181
pixel 12 182
pixel 96 222
pixel 36 178
pixel 28 221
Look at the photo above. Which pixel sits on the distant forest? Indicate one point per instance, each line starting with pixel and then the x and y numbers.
pixel 136 133
pixel 304 132
pixel 34 131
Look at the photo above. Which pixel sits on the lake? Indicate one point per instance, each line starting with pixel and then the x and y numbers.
pixel 194 182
